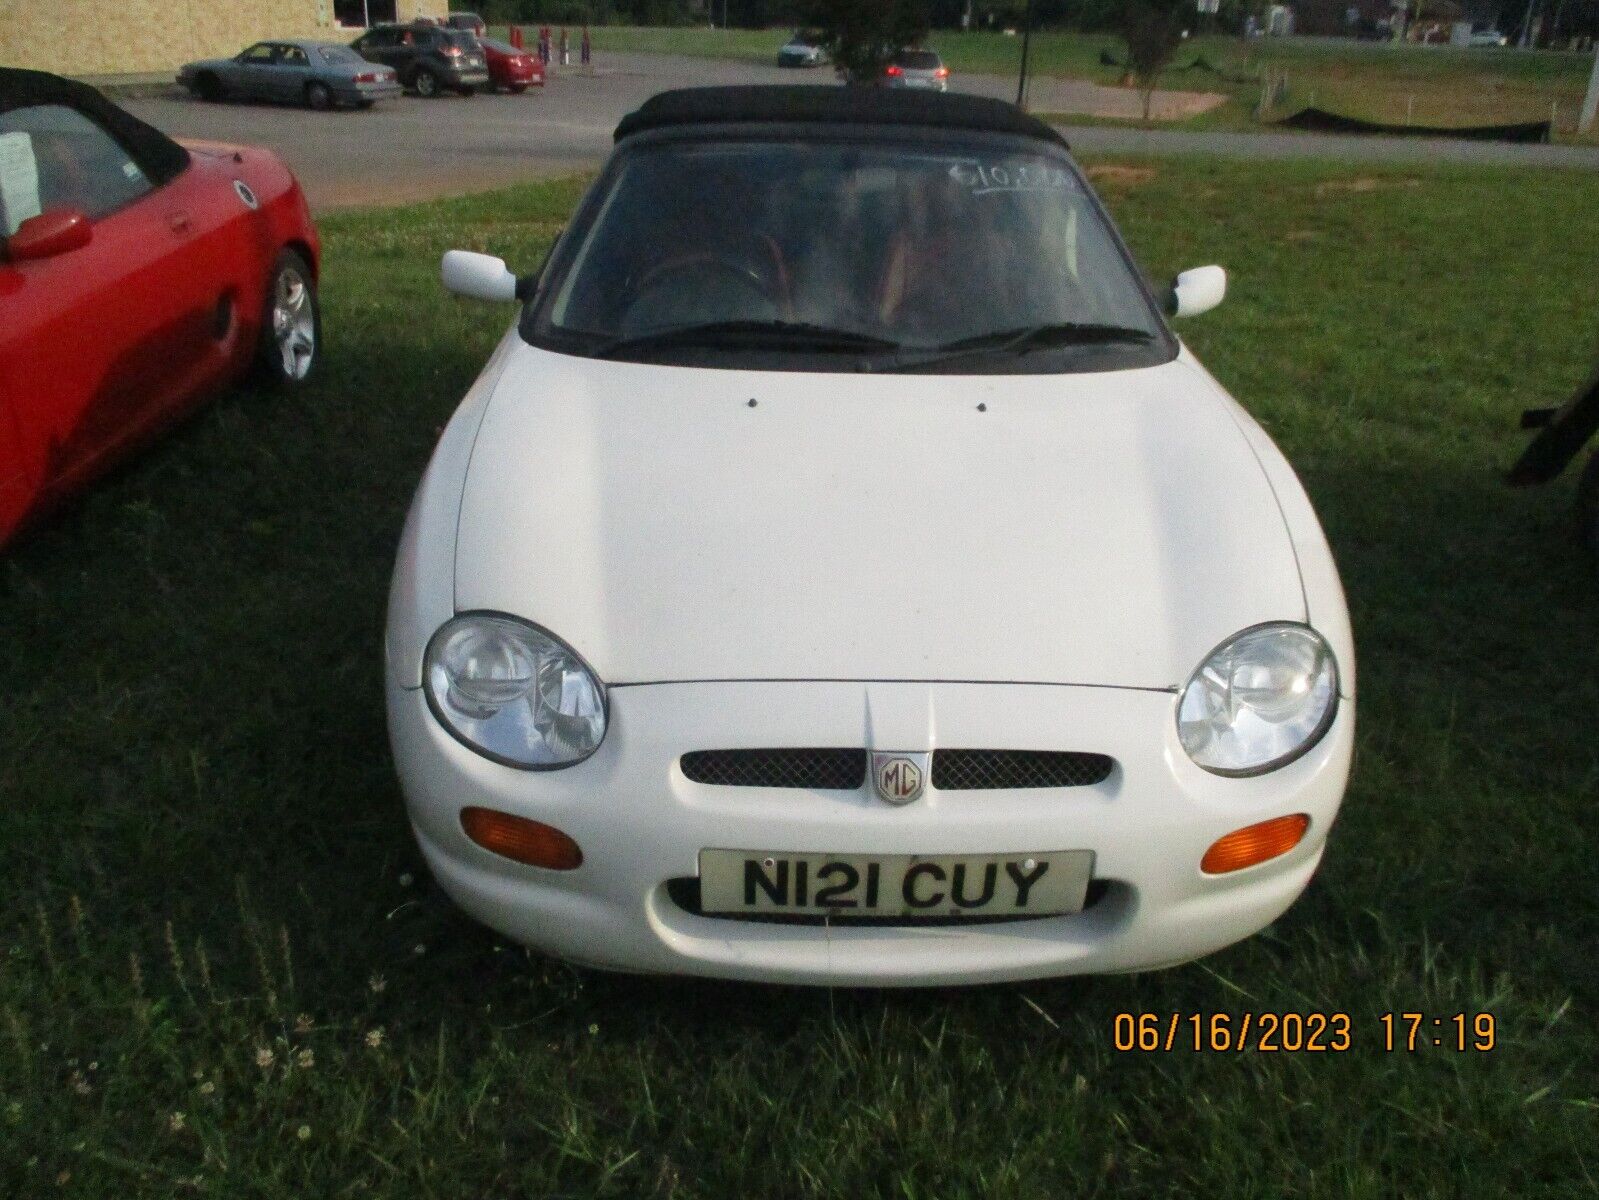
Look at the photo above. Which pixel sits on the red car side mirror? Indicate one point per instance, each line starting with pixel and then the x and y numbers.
pixel 50 233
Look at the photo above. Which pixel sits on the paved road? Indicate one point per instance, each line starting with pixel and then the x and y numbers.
pixel 412 149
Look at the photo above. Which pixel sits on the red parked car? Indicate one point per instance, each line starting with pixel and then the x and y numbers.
pixel 138 276
pixel 509 68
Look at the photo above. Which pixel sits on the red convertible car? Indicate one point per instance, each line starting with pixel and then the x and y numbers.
pixel 509 68
pixel 138 276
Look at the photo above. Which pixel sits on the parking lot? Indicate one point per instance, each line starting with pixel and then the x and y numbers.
pixel 409 149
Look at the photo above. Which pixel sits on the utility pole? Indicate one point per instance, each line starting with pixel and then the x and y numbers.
pixel 1526 25
pixel 1027 38
pixel 1591 104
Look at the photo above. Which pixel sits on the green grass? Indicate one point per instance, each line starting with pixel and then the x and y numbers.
pixel 1430 85
pixel 202 838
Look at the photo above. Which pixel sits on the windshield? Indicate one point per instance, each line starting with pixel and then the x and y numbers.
pixel 498 46
pixel 918 60
pixel 338 54
pixel 913 247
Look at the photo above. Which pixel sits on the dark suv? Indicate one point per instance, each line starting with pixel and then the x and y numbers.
pixel 470 22
pixel 427 57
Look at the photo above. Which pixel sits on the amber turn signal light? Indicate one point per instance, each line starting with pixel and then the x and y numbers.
pixel 521 840
pixel 1254 844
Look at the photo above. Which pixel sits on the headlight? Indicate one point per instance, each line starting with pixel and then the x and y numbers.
pixel 1260 701
pixel 514 693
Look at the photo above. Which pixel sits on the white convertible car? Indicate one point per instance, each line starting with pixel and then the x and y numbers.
pixel 840 574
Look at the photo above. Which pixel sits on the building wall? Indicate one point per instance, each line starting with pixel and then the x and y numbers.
pixel 125 37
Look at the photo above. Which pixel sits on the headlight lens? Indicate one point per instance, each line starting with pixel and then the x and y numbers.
pixel 514 693
pixel 1260 701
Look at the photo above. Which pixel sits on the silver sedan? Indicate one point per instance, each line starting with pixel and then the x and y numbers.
pixel 917 69
pixel 317 74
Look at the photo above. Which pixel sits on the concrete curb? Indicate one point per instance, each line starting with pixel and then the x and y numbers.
pixel 133 87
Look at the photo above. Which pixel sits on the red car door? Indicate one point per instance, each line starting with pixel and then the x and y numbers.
pixel 99 343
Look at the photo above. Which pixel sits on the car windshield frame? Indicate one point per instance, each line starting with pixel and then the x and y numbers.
pixel 538 329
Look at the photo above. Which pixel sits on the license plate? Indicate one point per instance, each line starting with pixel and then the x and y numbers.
pixel 894 885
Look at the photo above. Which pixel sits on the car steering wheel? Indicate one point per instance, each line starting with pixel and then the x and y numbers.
pixel 740 272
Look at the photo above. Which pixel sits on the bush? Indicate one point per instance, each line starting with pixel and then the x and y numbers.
pixel 1152 29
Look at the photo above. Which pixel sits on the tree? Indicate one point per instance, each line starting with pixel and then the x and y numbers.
pixel 1152 29
pixel 862 36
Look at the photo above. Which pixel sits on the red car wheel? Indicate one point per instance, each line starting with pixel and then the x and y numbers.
pixel 291 331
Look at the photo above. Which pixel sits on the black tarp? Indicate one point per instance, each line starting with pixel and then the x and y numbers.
pixel 1322 121
pixel 158 156
pixel 1563 433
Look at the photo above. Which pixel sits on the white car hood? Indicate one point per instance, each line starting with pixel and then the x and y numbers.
pixel 678 523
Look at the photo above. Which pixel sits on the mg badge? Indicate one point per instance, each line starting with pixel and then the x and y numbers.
pixel 899 778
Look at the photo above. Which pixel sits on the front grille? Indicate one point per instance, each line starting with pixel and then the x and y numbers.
pixel 844 769
pixel 841 770
pixel 990 770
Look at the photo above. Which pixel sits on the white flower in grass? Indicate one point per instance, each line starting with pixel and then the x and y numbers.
pixel 175 1122
pixel 407 879
pixel 305 1060
pixel 374 1038
pixel 303 1133
pixel 376 984
pixel 264 1057
pixel 207 1088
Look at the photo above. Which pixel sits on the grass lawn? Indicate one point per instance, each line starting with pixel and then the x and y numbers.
pixel 1432 85
pixel 224 972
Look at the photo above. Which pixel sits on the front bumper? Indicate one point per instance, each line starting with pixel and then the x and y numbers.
pixel 641 824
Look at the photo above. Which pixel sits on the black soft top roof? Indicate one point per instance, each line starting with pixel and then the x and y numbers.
pixel 158 156
pixel 832 105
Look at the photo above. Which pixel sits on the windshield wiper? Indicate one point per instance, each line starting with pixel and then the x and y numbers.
pixel 797 334
pixel 1027 337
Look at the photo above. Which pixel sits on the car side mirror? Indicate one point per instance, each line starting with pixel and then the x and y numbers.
pixel 1197 291
pixel 50 233
pixel 479 276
